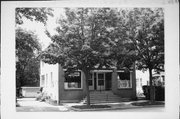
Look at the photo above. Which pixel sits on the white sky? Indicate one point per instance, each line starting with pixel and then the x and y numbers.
pixel 38 28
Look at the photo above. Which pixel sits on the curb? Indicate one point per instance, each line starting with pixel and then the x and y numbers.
pixel 114 108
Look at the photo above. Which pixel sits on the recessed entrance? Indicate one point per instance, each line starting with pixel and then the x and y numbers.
pixel 100 81
pixel 108 80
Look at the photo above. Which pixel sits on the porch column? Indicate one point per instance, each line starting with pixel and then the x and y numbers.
pixel 134 81
pixel 114 80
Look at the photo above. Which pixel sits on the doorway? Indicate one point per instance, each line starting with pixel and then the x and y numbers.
pixel 100 81
pixel 108 77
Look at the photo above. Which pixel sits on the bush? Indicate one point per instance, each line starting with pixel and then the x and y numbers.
pixel 159 92
pixel 39 96
pixel 42 96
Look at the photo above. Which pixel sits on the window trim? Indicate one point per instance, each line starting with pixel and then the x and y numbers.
pixel 131 73
pixel 42 83
pixel 101 79
pixel 46 84
pixel 52 81
pixel 67 88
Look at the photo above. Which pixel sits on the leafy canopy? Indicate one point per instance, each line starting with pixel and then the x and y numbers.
pixel 88 38
pixel 37 14
pixel 146 31
pixel 27 65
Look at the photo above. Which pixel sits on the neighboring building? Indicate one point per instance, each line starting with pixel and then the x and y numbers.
pixel 30 92
pixel 159 79
pixel 61 88
pixel 142 79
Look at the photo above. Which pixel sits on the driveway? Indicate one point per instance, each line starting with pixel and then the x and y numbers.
pixel 31 105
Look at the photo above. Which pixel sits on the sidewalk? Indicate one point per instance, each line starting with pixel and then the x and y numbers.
pixel 112 106
pixel 31 105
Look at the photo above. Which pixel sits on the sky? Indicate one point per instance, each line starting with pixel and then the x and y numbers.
pixel 38 28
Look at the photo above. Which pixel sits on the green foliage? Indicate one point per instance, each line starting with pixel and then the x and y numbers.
pixel 27 46
pixel 27 65
pixel 37 14
pixel 89 38
pixel 110 37
pixel 146 31
pixel 26 41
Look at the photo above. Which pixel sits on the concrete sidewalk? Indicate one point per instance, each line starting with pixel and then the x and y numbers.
pixel 113 106
pixel 32 105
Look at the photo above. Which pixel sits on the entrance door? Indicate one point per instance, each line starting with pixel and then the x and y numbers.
pixel 100 81
pixel 91 81
pixel 108 80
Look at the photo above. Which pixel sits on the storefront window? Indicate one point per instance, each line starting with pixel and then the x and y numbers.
pixel 124 80
pixel 73 81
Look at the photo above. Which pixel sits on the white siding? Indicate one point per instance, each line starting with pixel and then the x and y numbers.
pixel 50 72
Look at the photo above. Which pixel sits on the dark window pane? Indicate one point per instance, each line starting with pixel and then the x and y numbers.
pixel 100 82
pixel 73 77
pixel 73 80
pixel 90 82
pixel 100 76
pixel 124 76
pixel 90 75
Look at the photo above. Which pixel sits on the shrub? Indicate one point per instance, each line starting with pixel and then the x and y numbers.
pixel 159 92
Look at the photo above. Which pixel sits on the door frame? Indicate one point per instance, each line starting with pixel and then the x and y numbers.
pixel 97 81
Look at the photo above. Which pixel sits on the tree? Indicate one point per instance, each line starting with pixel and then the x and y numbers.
pixel 27 64
pixel 37 14
pixel 86 39
pixel 27 46
pixel 145 28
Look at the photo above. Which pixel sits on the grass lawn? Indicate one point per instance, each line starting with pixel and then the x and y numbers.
pixel 91 106
pixel 147 103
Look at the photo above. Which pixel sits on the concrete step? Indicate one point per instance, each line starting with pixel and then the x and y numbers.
pixel 103 97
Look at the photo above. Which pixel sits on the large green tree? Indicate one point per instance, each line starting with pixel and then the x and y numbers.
pixel 33 14
pixel 28 46
pixel 145 28
pixel 87 38
pixel 27 65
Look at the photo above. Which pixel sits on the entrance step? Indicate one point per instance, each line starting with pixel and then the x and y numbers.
pixel 104 97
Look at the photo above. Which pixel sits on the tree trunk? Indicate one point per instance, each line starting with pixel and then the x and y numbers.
pixel 87 76
pixel 152 97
